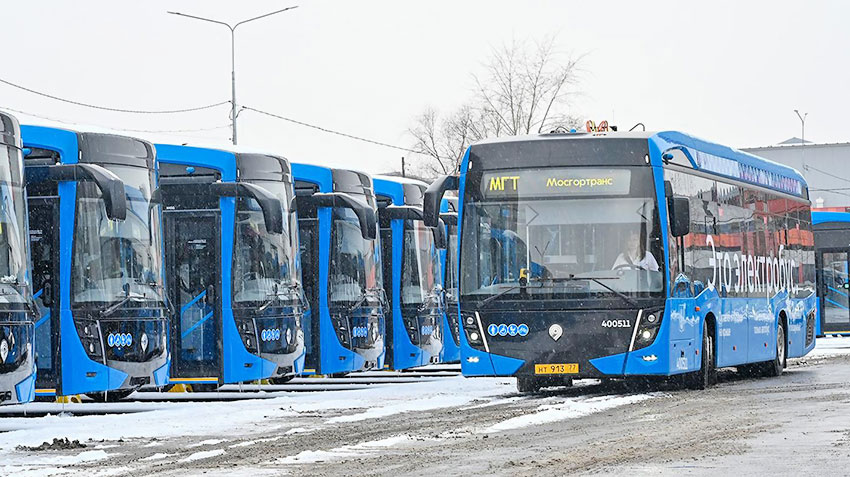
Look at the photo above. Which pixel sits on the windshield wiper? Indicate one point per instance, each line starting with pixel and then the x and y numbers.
pixel 124 299
pixel 291 289
pixel 598 280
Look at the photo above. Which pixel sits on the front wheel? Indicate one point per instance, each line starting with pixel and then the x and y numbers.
pixel 281 379
pixel 707 374
pixel 110 396
pixel 528 384
pixel 775 366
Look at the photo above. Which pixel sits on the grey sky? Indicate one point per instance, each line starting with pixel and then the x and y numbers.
pixel 728 71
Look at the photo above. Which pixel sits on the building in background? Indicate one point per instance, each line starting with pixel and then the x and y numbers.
pixel 826 168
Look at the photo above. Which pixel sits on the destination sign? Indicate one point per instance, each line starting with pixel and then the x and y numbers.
pixel 555 182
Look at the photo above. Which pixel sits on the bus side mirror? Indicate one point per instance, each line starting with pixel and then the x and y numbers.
pixel 364 212
pixel 434 196
pixel 111 187
pixel 269 204
pixel 680 216
pixel 440 240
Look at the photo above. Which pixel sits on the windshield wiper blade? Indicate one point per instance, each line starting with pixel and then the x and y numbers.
pixel 599 281
pixel 112 308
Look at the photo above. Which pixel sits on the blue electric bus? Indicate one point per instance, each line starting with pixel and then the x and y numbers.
pixel 232 266
pixel 17 309
pixel 96 239
pixel 832 246
pixel 341 259
pixel 412 276
pixel 629 254
pixel 448 258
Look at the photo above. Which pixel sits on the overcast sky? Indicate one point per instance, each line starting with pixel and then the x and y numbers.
pixel 729 71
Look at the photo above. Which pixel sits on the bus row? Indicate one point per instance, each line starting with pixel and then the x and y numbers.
pixel 618 255
pixel 129 264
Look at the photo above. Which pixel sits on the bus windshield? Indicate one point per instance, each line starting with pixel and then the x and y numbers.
pixel 13 253
pixel 420 268
pixel 354 264
pixel 566 243
pixel 264 264
pixel 114 260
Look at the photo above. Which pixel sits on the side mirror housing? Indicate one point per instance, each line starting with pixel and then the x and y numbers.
pixel 269 204
pixel 434 196
pixel 680 216
pixel 110 186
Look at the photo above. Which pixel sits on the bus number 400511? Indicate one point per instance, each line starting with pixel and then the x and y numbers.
pixel 616 323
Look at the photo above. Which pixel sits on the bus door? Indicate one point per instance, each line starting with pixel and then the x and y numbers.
pixel 44 235
pixel 192 260
pixel 308 230
pixel 834 291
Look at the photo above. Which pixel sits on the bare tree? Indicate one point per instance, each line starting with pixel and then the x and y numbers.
pixel 523 89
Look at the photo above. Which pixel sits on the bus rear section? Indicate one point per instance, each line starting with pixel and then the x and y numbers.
pixel 96 237
pixel 613 260
pixel 17 309
pixel 412 273
pixel 340 256
pixel 232 266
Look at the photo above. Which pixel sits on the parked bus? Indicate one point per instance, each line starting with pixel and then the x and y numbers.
pixel 341 259
pixel 832 245
pixel 448 258
pixel 232 266
pixel 629 254
pixel 96 239
pixel 17 311
pixel 412 276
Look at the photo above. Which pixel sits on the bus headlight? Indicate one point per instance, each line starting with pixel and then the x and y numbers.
pixel 4 350
pixel 474 336
pixel 288 335
pixel 648 328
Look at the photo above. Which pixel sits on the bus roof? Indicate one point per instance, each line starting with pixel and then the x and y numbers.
pixel 703 155
pixel 823 217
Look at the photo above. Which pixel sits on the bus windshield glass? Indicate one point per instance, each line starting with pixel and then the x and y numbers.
pixel 116 260
pixel 355 272
pixel 264 264
pixel 566 237
pixel 420 264
pixel 13 253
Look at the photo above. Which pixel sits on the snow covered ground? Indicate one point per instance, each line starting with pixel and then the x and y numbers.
pixel 197 432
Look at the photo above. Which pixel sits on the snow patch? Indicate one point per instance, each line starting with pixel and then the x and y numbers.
pixel 340 453
pixel 569 409
pixel 203 455
pixel 208 442
pixel 157 456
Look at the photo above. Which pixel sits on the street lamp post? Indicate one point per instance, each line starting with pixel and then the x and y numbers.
pixel 232 29
pixel 803 138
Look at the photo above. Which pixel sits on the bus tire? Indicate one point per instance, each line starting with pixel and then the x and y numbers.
pixel 707 374
pixel 282 379
pixel 528 384
pixel 775 366
pixel 110 396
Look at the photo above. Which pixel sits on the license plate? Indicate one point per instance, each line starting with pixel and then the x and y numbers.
pixel 569 368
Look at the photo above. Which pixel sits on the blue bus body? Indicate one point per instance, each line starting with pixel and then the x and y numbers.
pixel 412 276
pixel 233 278
pixel 832 246
pixel 17 360
pixel 341 259
pixel 96 241
pixel 448 259
pixel 545 296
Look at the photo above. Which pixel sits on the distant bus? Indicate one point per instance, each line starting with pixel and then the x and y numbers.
pixel 629 254
pixel 17 309
pixel 832 244
pixel 232 266
pixel 345 328
pixel 96 237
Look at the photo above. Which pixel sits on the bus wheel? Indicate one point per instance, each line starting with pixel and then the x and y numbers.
pixel 110 396
pixel 528 384
pixel 707 374
pixel 281 379
pixel 775 366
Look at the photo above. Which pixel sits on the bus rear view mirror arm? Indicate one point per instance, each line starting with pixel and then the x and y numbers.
pixel 433 197
pixel 402 212
pixel 450 218
pixel 365 214
pixel 110 186
pixel 680 216
pixel 269 204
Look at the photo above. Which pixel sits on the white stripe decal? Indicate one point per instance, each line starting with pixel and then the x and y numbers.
pixel 634 332
pixel 481 330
